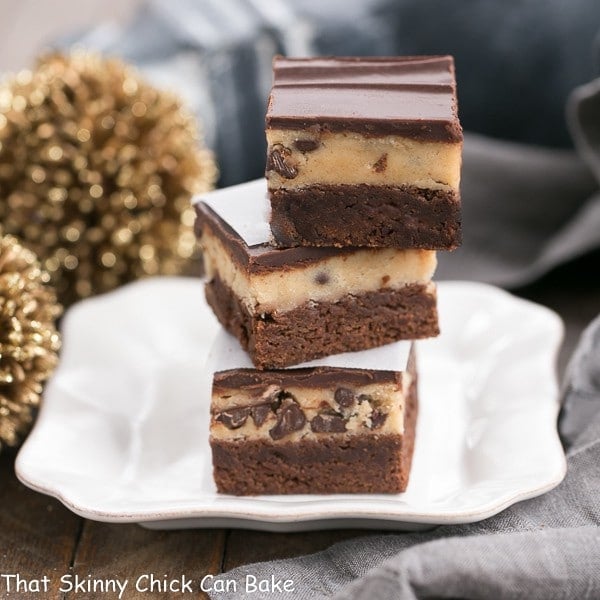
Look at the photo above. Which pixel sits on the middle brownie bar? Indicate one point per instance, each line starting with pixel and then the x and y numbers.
pixel 291 305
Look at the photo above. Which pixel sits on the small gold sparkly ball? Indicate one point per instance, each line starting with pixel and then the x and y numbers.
pixel 28 338
pixel 97 169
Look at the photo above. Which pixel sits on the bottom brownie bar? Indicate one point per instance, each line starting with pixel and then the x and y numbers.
pixel 314 430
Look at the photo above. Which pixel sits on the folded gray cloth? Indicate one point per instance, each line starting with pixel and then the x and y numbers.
pixel 547 547
pixel 528 209
pixel 525 210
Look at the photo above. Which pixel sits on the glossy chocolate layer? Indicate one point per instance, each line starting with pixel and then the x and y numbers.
pixel 408 96
pixel 315 377
pixel 258 258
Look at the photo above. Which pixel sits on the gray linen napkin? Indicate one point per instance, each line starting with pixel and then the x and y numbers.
pixel 528 209
pixel 547 547
pixel 525 210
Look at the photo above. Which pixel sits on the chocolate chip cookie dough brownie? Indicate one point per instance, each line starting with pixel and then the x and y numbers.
pixel 286 306
pixel 344 424
pixel 364 152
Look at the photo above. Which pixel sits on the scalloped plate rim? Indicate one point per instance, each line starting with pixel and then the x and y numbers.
pixel 257 510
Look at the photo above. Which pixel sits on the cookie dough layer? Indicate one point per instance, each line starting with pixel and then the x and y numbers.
pixel 278 340
pixel 335 276
pixel 257 411
pixel 365 459
pixel 364 215
pixel 299 158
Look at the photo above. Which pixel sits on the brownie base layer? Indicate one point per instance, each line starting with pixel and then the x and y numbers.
pixel 366 215
pixel 320 329
pixel 368 464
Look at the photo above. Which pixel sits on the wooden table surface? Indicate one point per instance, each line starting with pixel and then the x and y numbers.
pixel 38 536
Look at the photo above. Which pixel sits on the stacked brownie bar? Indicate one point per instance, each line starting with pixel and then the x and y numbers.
pixel 326 282
pixel 340 424
pixel 365 152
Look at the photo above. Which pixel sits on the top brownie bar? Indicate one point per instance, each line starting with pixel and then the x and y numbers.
pixel 412 96
pixel 364 152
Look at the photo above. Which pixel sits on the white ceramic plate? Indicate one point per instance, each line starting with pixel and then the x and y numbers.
pixel 123 432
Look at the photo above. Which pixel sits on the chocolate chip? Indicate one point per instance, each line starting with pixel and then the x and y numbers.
pixel 270 393
pixel 364 398
pixel 290 418
pixel 260 412
pixel 306 145
pixel 278 398
pixel 377 419
pixel 234 418
pixel 381 165
pixel 326 423
pixel 344 397
pixel 279 160
pixel 321 278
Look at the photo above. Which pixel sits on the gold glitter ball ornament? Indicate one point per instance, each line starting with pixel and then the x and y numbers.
pixel 97 169
pixel 28 338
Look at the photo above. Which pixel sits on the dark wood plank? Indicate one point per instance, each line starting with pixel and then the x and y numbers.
pixel 38 535
pixel 127 551
pixel 244 547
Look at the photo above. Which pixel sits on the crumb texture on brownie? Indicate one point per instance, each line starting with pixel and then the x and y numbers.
pixel 318 329
pixel 381 364
pixel 363 215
